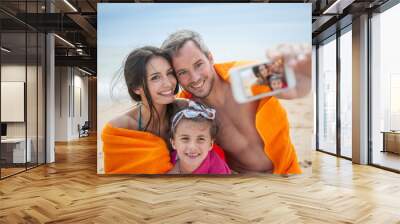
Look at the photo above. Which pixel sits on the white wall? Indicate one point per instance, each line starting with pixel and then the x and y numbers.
pixel 13 73
pixel 61 103
pixel 82 83
pixel 33 126
pixel 70 83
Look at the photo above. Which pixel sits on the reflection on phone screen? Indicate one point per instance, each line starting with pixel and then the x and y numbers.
pixel 263 78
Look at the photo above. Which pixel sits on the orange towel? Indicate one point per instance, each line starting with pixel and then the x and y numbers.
pixel 134 152
pixel 257 89
pixel 272 125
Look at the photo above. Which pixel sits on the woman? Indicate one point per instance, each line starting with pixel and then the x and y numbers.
pixel 135 142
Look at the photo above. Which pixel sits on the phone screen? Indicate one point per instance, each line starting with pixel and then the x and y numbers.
pixel 261 80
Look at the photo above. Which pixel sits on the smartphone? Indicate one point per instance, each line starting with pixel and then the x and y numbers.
pixel 256 81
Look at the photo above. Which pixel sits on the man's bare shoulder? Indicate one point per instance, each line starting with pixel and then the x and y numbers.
pixel 127 120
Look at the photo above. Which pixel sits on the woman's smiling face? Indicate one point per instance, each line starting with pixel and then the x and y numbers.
pixel 161 81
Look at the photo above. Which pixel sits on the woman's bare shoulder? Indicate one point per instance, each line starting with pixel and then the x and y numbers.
pixel 127 120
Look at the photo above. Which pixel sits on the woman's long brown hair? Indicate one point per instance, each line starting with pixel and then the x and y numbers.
pixel 135 77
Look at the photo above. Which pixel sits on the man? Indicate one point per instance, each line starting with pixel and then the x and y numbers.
pixel 255 136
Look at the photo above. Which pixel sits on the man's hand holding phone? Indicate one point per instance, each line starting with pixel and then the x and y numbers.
pixel 286 74
pixel 298 59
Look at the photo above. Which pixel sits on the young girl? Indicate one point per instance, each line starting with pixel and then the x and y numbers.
pixel 193 132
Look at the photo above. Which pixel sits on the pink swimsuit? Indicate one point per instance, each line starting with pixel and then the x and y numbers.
pixel 212 164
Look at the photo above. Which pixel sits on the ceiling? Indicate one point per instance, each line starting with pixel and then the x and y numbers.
pixel 76 22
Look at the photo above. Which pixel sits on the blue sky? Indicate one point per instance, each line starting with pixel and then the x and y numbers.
pixel 235 31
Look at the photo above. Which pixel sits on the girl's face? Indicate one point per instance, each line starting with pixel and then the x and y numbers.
pixel 161 81
pixel 192 141
pixel 276 84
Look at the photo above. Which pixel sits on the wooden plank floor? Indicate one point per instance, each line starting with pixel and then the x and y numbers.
pixel 70 191
pixel 10 171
